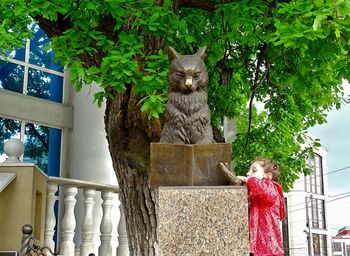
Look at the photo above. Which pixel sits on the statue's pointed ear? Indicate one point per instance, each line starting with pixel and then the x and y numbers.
pixel 172 54
pixel 202 52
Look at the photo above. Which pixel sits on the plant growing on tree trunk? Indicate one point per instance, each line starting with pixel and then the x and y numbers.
pixel 274 66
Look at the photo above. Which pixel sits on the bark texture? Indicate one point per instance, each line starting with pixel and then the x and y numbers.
pixel 129 133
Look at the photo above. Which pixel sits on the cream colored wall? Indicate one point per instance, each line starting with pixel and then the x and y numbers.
pixel 22 202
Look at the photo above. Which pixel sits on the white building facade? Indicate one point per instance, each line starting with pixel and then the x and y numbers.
pixel 306 228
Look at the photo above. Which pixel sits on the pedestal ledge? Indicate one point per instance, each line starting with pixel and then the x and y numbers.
pixel 202 221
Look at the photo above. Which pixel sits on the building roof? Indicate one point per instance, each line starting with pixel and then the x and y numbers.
pixel 343 233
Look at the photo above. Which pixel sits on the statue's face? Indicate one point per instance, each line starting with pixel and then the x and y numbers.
pixel 187 73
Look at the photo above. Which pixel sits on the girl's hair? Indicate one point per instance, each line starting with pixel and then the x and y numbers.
pixel 270 167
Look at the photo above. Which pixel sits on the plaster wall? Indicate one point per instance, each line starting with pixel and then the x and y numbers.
pixel 22 202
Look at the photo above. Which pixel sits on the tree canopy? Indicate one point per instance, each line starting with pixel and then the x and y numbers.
pixel 275 66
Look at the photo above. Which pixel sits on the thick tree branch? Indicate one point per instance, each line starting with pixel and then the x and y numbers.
pixel 53 28
pixel 62 24
pixel 199 4
pixel 40 137
pixel 261 55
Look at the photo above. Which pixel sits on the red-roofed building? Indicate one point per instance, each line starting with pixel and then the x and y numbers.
pixel 341 242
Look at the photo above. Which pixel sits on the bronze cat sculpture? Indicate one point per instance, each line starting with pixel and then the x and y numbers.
pixel 187 118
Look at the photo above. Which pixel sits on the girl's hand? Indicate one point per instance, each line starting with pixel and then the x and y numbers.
pixel 243 178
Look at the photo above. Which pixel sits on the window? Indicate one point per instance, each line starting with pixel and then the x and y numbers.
pixel 42 144
pixel 319 244
pixel 317 213
pixel 337 246
pixel 314 181
pixel 32 70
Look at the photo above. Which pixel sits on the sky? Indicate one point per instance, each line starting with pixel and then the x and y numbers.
pixel 335 136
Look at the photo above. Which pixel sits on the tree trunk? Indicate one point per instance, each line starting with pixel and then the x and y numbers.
pixel 129 133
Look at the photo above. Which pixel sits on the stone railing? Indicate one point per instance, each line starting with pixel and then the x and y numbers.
pixel 65 227
pixel 68 191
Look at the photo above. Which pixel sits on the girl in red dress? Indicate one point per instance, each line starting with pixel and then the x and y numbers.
pixel 266 208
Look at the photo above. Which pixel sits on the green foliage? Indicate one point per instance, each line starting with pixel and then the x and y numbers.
pixel 289 58
pixel 14 19
pixel 153 86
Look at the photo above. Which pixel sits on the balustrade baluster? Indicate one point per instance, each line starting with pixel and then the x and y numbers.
pixel 68 222
pixel 123 247
pixel 87 225
pixel 106 227
pixel 50 221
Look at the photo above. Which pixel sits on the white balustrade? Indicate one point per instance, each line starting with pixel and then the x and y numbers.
pixel 67 246
pixel 87 226
pixel 123 248
pixel 106 224
pixel 70 188
pixel 50 220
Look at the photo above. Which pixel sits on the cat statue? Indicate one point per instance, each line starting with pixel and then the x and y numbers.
pixel 187 118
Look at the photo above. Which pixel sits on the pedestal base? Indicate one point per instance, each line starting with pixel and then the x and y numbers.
pixel 202 221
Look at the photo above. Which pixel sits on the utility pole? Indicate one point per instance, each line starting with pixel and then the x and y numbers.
pixel 308 224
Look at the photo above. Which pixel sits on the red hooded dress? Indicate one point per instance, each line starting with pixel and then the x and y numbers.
pixel 266 211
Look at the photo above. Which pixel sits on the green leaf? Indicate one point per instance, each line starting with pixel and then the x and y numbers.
pixel 317 22
pixel 147 78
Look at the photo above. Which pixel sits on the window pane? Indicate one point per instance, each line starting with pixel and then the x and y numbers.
pixel 54 152
pixel 11 76
pixel 317 211
pixel 36 145
pixel 307 183
pixel 39 56
pixel 17 54
pixel 9 128
pixel 322 218
pixel 337 246
pixel 323 240
pixel 44 85
pixel 314 213
pixel 316 244
pixel 42 146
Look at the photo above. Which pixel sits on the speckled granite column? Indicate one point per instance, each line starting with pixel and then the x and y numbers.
pixel 202 221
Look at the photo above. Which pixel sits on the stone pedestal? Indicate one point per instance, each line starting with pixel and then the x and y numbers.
pixel 202 221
